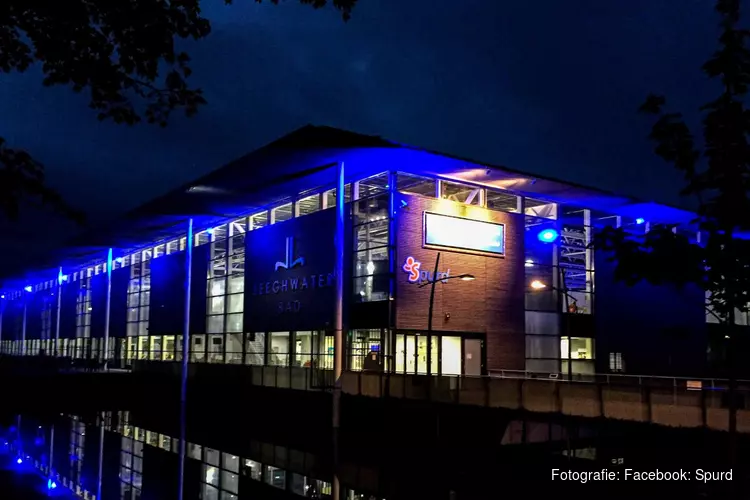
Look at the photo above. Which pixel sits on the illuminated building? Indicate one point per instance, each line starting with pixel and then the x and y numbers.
pixel 263 271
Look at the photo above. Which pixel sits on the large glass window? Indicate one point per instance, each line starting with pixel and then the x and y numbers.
pixel 83 308
pixel 366 350
pixel 414 184
pixel 139 296
pixel 371 247
pixel 462 193
pixel 279 349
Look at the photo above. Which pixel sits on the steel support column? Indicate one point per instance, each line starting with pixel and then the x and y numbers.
pixel 105 348
pixel 185 358
pixel 338 339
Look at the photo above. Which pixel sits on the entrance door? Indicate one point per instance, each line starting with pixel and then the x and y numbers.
pixel 472 357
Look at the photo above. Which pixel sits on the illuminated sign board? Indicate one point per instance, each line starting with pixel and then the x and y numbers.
pixel 457 233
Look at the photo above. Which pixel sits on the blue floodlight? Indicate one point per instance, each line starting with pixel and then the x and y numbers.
pixel 28 288
pixel 51 484
pixel 2 296
pixel 640 220
pixel 547 235
pixel 118 260
pixel 19 460
pixel 210 230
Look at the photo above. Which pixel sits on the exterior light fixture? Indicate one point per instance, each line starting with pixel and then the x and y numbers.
pixel 640 220
pixel 28 288
pixel 529 263
pixel 548 235
pixel 2 296
pixel 537 285
pixel 19 460
pixel 467 277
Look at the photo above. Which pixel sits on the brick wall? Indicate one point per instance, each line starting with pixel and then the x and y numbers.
pixel 492 304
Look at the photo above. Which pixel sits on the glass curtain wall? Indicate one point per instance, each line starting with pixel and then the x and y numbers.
pixel 559 282
pixel 83 313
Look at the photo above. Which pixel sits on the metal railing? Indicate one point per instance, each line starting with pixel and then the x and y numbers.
pixel 621 379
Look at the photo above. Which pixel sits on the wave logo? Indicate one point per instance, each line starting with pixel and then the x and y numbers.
pixel 411 266
pixel 290 261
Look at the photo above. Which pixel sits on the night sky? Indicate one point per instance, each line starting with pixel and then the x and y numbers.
pixel 543 86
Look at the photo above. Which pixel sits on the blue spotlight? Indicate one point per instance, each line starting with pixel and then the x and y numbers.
pixel 2 296
pixel 28 288
pixel 640 220
pixel 51 484
pixel 210 230
pixel 118 260
pixel 547 235
pixel 19 460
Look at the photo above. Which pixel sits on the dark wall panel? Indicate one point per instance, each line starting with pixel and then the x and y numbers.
pixel 167 295
pixel 659 330
pixel 68 310
pixel 289 274
pixel 34 314
pixel 98 304
pixel 119 302
pixel 10 312
pixel 198 273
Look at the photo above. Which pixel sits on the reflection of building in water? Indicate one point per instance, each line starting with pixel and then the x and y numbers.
pixel 221 475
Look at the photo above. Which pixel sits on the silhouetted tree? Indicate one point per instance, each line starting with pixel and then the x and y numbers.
pixel 121 52
pixel 717 172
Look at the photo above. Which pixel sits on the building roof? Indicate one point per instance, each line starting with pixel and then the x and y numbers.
pixel 305 159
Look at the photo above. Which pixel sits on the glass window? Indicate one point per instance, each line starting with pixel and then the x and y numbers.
pixel 281 213
pixel 258 220
pixel 370 186
pixel 252 469
pixel 461 193
pixel 303 349
pixel 580 348
pixel 255 348
pixel 215 348
pixel 278 353
pixel 211 457
pixel 236 303
pixel 408 183
pixel 502 201
pixel 308 205
pixel 216 305
pixel 234 323
pixel 237 283
pixel 215 324
pixel 450 355
pixel 217 287
pixel 275 477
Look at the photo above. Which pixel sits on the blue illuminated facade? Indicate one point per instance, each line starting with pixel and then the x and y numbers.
pixel 262 274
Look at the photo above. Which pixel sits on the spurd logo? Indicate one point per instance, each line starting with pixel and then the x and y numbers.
pixel 411 266
pixel 417 275
pixel 290 261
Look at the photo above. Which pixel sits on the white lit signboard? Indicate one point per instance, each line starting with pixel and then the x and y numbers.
pixel 457 233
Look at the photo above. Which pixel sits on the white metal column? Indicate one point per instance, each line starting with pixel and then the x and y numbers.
pixel 105 354
pixel 60 279
pixel 338 339
pixel 23 326
pixel 189 243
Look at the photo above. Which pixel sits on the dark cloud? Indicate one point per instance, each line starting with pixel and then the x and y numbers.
pixel 550 87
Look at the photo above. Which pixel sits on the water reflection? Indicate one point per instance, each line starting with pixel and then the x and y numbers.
pixel 62 452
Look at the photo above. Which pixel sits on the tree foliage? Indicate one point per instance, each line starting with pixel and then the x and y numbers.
pixel 123 53
pixel 717 173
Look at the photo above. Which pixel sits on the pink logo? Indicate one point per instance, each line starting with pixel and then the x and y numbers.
pixel 411 266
